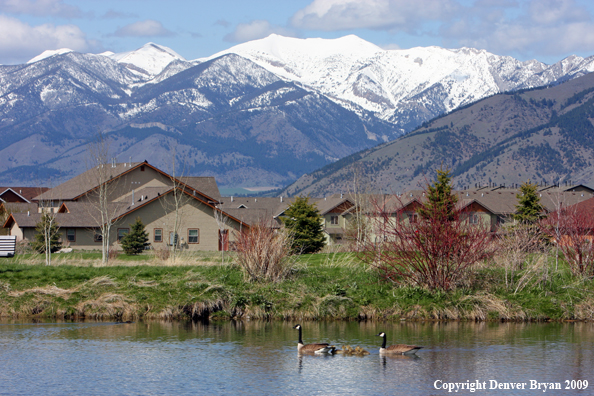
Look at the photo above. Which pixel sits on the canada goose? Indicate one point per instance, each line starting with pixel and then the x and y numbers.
pixel 312 348
pixel 399 349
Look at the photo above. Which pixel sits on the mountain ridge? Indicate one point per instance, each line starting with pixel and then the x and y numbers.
pixel 545 135
pixel 232 112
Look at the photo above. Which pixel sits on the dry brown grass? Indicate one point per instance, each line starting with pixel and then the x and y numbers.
pixel 46 290
pixel 4 286
pixel 584 310
pixel 149 259
pixel 107 306
pixel 144 283
pixel 53 290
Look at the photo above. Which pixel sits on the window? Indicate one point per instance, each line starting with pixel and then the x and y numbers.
pixel 122 232
pixel 142 168
pixel 193 235
pixel 413 217
pixel 71 235
pixel 158 233
pixel 474 218
pixel 334 220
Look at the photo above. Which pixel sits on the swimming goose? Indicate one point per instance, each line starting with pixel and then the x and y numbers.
pixel 399 349
pixel 312 348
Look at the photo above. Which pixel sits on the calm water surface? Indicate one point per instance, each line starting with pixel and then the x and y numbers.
pixel 254 358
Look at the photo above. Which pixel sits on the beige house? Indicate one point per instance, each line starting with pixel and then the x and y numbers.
pixel 184 212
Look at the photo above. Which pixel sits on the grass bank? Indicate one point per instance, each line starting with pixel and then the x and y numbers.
pixel 320 286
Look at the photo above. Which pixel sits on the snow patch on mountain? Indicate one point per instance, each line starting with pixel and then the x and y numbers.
pixel 149 60
pixel 350 69
pixel 49 54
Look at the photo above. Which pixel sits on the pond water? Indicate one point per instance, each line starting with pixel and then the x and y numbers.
pixel 260 358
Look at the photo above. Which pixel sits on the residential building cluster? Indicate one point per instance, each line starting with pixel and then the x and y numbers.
pixel 190 213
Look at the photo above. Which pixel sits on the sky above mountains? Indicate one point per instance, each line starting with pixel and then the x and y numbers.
pixel 546 30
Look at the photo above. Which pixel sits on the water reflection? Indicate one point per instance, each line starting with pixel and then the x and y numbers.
pixel 254 357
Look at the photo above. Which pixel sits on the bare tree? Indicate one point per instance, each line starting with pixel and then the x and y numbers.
pixel 223 223
pixel 517 248
pixel 358 228
pixel 49 232
pixel 101 208
pixel 175 205
pixel 48 228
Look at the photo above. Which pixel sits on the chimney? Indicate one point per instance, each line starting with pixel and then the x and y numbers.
pixel 231 198
pixel 132 197
pixel 281 198
pixel 28 214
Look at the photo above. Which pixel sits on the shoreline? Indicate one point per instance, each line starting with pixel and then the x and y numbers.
pixel 331 286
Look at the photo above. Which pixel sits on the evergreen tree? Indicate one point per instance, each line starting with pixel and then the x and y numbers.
pixel 529 209
pixel 304 222
pixel 136 240
pixel 47 227
pixel 441 203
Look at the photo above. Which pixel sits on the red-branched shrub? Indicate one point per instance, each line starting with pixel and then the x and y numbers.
pixel 572 229
pixel 433 250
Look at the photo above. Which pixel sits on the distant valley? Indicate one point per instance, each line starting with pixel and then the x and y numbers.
pixel 263 113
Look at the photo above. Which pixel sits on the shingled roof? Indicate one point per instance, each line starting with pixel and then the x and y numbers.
pixel 206 185
pixel 87 181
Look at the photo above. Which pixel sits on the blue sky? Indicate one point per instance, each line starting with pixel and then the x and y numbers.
pixel 547 30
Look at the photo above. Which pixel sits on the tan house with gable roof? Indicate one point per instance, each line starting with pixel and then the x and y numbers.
pixel 134 190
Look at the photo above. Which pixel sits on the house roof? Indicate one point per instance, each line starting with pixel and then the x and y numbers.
pixel 18 207
pixel 274 206
pixel 87 181
pixel 206 185
pixel 327 204
pixel 25 194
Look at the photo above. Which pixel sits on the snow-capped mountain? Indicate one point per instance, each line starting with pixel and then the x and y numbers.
pixel 405 87
pixel 150 59
pixel 258 114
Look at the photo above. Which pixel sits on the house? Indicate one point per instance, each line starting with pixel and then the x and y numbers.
pixel 337 213
pixel 184 212
pixel 492 207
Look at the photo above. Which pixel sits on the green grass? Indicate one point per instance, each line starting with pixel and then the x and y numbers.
pixel 320 286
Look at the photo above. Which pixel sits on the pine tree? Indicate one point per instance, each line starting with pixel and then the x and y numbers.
pixel 304 222
pixel 136 240
pixel 529 209
pixel 47 227
pixel 441 203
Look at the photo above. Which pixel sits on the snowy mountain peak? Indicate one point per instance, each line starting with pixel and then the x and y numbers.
pixel 150 59
pixel 49 53
pixel 288 48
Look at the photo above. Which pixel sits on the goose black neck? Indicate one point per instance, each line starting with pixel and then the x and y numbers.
pixel 384 342
pixel 300 340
